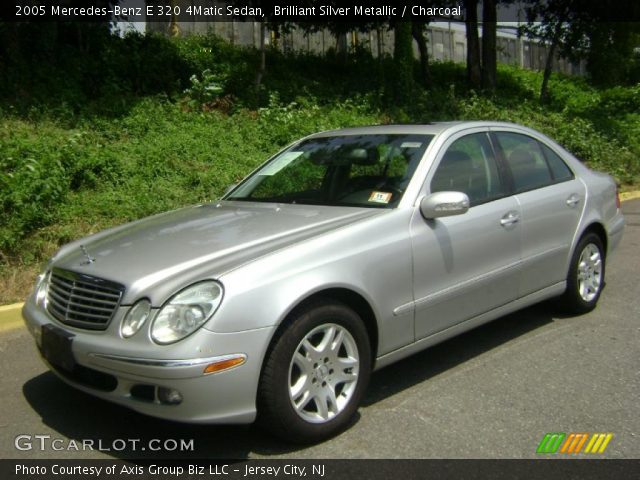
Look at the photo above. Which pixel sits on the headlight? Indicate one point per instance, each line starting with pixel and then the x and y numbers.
pixel 186 312
pixel 135 318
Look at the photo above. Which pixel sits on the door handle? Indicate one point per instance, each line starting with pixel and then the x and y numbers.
pixel 509 219
pixel 573 200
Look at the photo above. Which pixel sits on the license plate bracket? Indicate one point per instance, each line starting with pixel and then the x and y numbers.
pixel 56 347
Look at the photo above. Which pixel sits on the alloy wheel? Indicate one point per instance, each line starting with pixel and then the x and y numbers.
pixel 323 373
pixel 589 272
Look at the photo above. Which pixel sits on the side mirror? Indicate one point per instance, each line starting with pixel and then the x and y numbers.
pixel 444 204
pixel 229 188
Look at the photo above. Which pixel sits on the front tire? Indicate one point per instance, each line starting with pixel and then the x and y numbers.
pixel 586 275
pixel 315 374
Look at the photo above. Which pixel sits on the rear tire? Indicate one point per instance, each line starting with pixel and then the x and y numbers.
pixel 315 373
pixel 586 276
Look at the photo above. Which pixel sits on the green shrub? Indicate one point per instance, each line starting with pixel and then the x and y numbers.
pixel 204 90
pixel 33 182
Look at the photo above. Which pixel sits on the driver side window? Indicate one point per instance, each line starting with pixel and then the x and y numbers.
pixel 469 166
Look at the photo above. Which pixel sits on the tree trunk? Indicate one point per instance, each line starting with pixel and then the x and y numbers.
pixel 379 34
pixel 417 29
pixel 263 58
pixel 544 89
pixel 341 47
pixel 402 76
pixel 489 53
pixel 473 43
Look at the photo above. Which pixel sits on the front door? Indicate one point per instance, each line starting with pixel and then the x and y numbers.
pixel 469 264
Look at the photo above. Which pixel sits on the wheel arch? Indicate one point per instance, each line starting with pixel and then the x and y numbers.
pixel 268 405
pixel 573 301
pixel 347 297
pixel 599 230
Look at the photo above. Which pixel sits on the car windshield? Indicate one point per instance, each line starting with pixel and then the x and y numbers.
pixel 350 170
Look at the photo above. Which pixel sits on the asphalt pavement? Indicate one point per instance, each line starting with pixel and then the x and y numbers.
pixel 491 393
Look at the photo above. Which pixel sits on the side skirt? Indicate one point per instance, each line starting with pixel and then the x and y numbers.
pixel 536 297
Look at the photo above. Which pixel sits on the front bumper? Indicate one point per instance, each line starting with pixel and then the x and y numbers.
pixel 118 370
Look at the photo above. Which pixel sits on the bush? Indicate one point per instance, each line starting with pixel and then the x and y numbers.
pixel 205 90
pixel 33 182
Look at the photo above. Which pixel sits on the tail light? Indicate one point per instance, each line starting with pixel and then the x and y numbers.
pixel 618 204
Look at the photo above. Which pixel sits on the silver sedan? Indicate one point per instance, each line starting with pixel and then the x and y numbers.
pixel 345 252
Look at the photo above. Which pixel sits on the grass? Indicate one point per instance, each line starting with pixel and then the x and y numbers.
pixel 156 158
pixel 71 165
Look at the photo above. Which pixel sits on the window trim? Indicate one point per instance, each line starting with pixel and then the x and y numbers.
pixel 493 135
pixel 502 177
pixel 546 158
pixel 503 167
pixel 404 200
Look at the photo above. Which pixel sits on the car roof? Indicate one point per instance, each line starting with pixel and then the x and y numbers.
pixel 434 128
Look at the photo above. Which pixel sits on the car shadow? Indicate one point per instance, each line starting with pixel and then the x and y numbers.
pixel 444 356
pixel 80 417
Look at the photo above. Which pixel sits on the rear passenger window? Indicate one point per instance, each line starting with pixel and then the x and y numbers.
pixel 526 161
pixel 469 166
pixel 559 169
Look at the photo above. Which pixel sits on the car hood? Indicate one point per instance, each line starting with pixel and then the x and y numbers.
pixel 198 242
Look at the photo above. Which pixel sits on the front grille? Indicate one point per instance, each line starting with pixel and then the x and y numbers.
pixel 81 300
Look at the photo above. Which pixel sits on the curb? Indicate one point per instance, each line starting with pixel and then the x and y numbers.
pixel 11 318
pixel 4 308
pixel 629 195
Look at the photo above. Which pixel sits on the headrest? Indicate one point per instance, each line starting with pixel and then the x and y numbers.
pixel 521 157
pixel 456 156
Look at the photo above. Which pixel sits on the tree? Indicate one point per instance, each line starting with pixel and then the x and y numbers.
pixel 489 53
pixel 611 52
pixel 482 66
pixel 559 25
pixel 417 30
pixel 402 83
pixel 473 43
pixel 26 38
pixel 556 28
pixel 263 57
pixel 612 35
pixel 585 30
pixel 267 23
pixel 548 23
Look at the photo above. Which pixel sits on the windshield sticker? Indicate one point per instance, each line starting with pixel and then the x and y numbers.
pixel 279 163
pixel 411 145
pixel 380 197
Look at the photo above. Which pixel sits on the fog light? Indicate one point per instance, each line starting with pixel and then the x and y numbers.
pixel 225 363
pixel 169 396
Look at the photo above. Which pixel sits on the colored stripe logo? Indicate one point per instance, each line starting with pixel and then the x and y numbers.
pixel 574 443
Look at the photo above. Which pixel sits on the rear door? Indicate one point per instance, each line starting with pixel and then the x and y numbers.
pixel 551 200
